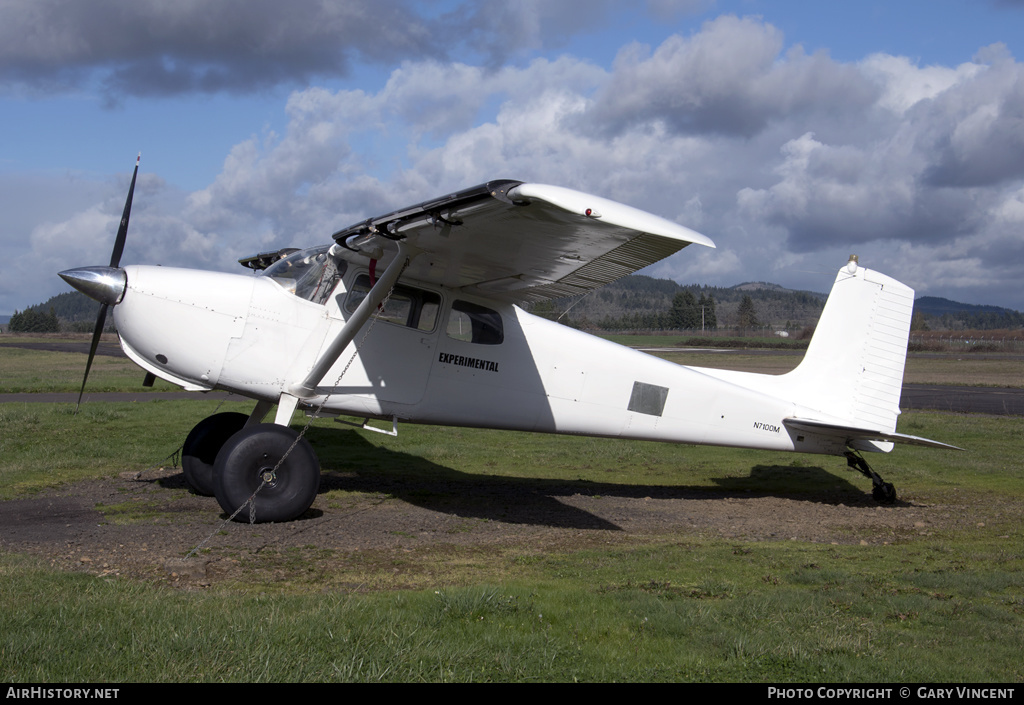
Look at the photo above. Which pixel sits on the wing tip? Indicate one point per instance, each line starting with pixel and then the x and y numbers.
pixel 610 211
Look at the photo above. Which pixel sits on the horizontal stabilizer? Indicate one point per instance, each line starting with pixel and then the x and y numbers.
pixel 851 434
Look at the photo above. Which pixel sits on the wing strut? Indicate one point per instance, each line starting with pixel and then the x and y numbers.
pixel 307 388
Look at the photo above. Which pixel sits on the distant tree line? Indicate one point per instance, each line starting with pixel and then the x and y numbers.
pixel 987 320
pixel 33 321
pixel 639 302
pixel 67 312
pixel 686 312
pixel 689 312
pixel 642 303
pixel 747 314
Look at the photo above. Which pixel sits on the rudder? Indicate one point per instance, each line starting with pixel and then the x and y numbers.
pixel 853 369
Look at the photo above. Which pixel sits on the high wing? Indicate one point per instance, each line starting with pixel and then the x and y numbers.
pixel 522 242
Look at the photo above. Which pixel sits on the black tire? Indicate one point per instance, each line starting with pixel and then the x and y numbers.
pixel 199 454
pixel 255 451
pixel 884 493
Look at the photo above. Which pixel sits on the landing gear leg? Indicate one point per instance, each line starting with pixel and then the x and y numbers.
pixel 882 491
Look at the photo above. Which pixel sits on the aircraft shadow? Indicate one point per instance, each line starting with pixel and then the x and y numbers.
pixel 351 463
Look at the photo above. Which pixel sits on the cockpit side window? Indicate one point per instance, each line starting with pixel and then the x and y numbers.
pixel 473 323
pixel 406 306
pixel 309 274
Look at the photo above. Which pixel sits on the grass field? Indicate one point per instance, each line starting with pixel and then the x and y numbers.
pixel 941 604
pixel 23 370
pixel 941 610
pixel 966 369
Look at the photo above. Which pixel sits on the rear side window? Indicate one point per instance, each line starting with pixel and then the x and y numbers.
pixel 473 323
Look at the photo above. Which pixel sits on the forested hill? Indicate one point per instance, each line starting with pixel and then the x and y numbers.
pixel 639 302
pixel 72 311
pixel 943 314
pixel 71 306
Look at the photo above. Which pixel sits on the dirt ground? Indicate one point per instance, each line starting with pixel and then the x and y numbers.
pixel 146 527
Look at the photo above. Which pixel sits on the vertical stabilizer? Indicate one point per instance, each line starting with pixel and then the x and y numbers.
pixel 853 370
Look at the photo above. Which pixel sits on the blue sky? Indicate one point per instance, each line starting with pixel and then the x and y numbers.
pixel 791 133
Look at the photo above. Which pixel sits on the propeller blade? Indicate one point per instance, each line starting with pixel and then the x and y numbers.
pixel 76 277
pixel 101 319
pixel 122 230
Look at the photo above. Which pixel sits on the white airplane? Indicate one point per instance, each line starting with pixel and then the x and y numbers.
pixel 412 316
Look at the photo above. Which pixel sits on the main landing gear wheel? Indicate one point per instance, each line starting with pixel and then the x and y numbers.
pixel 249 459
pixel 882 491
pixel 199 454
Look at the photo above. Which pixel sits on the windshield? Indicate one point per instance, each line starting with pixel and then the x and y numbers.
pixel 309 274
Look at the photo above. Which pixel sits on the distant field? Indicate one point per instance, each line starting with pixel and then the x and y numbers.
pixel 921 368
pixel 24 370
pixel 34 371
pixel 953 367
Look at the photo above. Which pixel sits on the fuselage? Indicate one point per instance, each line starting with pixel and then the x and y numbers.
pixel 433 356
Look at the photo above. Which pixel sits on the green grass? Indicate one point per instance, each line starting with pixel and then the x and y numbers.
pixel 46 445
pixel 941 605
pixel 671 607
pixel 23 370
pixel 680 610
pixel 965 369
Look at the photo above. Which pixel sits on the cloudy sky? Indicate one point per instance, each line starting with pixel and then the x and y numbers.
pixel 791 133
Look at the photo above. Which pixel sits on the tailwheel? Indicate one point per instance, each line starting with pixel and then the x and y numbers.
pixel 882 491
pixel 199 454
pixel 262 457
